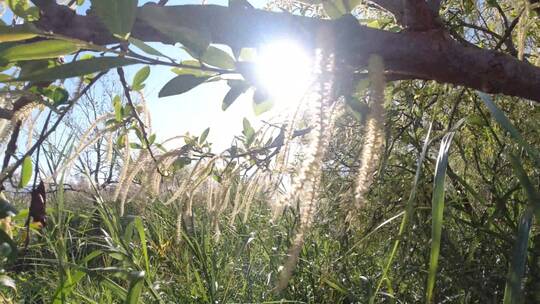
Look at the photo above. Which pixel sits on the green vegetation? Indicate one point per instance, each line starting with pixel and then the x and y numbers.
pixel 405 185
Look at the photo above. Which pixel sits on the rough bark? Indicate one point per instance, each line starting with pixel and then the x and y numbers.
pixel 425 51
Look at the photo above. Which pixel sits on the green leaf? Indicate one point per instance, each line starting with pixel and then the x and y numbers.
pixel 58 96
pixel 532 194
pixel 142 237
pixel 151 139
pixel 238 87
pixel 513 293
pixel 166 21
pixel 263 107
pixel 29 67
pixel 143 46
pixel 261 102
pixel 111 285
pixel 437 212
pixel 39 50
pixel 248 54
pixel 204 135
pixel 17 32
pixel 9 248
pixel 195 71
pixel 139 78
pixel 135 287
pixel 18 7
pixel 117 105
pixel 181 84
pixel 499 116
pixel 218 58
pixel 118 15
pixel 334 8
pixel 66 287
pixel 409 209
pixel 248 131
pixel 77 68
pixel 26 171
pixel 21 8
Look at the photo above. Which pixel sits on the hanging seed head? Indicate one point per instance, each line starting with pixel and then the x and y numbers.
pixel 374 133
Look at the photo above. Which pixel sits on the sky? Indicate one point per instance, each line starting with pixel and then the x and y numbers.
pixel 199 108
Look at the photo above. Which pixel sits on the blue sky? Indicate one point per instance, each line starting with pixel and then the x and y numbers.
pixel 197 109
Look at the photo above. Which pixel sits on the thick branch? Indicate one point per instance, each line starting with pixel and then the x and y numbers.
pixel 430 55
pixel 419 16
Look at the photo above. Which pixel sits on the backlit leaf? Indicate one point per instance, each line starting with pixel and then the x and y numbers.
pixel 204 135
pixel 248 130
pixel 261 102
pixel 238 87
pixel 117 105
pixel 166 21
pixel 26 172
pixel 181 84
pixel 437 209
pixel 39 50
pixel 218 58
pixel 17 33
pixel 334 8
pixel 118 15
pixel 143 46
pixel 140 77
pixel 77 68
pixel 22 8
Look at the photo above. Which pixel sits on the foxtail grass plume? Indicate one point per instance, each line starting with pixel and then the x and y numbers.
pixel 374 132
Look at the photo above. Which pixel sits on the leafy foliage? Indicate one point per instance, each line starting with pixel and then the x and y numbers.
pixel 149 223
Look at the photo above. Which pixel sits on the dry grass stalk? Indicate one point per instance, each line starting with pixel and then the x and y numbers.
pixel 374 132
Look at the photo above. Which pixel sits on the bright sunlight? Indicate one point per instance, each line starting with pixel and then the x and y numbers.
pixel 285 69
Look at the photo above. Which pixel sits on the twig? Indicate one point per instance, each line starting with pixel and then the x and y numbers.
pixel 6 173
pixel 122 77
pixel 36 168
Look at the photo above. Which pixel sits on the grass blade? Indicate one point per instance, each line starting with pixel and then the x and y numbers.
pixel 135 287
pixel 512 290
pixel 499 116
pixel 408 211
pixel 532 195
pixel 142 236
pixel 437 213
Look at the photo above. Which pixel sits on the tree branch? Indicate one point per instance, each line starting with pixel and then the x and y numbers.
pixel 393 6
pixel 430 55
pixel 419 16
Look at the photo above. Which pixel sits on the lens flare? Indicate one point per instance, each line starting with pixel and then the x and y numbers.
pixel 284 68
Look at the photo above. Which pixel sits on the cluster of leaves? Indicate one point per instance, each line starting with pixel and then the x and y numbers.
pixel 36 54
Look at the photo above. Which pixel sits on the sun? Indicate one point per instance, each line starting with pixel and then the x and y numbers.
pixel 285 69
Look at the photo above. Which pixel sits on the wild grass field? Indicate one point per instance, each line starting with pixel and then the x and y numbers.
pixel 219 237
pixel 391 177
